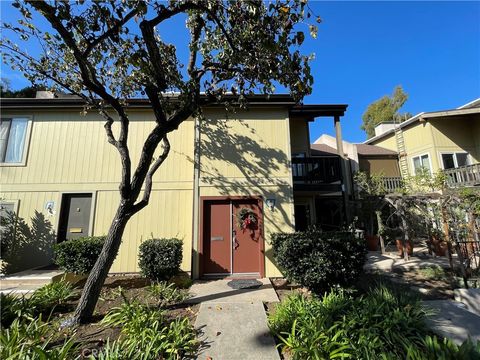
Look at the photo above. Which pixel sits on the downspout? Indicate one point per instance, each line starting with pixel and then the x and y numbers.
pixel 196 199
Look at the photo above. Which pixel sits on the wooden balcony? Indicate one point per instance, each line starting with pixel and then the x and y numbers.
pixel 317 173
pixel 468 175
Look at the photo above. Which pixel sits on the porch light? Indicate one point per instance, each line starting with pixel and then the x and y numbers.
pixel 270 203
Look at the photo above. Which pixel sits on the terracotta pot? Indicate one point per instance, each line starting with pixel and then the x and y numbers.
pixel 399 243
pixel 372 242
pixel 439 246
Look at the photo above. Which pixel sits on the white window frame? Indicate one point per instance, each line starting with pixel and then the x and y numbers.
pixel 11 202
pixel 420 156
pixel 26 146
pixel 455 162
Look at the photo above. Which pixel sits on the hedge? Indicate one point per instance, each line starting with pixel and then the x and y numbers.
pixel 78 255
pixel 160 259
pixel 319 260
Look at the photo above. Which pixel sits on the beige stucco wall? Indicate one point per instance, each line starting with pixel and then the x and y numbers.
pixel 388 167
pixel 250 157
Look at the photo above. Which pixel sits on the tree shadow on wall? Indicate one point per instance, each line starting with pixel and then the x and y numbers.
pixel 235 160
pixel 23 246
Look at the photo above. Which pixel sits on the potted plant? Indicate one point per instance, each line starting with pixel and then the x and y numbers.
pixel 437 239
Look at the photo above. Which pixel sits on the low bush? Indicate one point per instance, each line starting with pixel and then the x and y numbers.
pixel 51 295
pixel 160 259
pixel 146 334
pixel 166 294
pixel 79 255
pixel 43 300
pixel 379 323
pixel 319 260
pixel 33 339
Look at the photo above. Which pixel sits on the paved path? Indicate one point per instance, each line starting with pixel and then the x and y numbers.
pixel 233 323
pixel 452 320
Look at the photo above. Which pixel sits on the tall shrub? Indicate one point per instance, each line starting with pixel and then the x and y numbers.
pixel 319 260
pixel 160 259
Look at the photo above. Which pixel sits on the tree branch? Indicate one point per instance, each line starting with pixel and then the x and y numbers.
pixel 114 29
pixel 149 178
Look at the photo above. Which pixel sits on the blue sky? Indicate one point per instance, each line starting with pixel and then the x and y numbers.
pixel 365 49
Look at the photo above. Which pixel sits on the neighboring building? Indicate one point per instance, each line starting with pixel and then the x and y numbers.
pixel 447 139
pixel 328 207
pixel 57 167
pixel 368 158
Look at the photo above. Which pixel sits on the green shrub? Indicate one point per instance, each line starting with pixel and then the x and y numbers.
pixel 79 255
pixel 43 300
pixel 167 294
pixel 13 307
pixel 33 339
pixel 146 334
pixel 434 349
pixel 51 295
pixel 319 260
pixel 382 322
pixel 160 259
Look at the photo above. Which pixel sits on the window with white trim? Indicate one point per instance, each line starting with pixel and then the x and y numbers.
pixel 422 162
pixel 13 134
pixel 4 208
pixel 454 160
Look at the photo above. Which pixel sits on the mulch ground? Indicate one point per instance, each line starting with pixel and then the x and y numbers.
pixel 94 335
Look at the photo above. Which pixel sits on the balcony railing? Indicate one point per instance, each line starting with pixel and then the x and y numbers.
pixel 392 184
pixel 316 170
pixel 468 175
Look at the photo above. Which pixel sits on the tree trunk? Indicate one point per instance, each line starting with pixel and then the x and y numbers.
pixel 96 278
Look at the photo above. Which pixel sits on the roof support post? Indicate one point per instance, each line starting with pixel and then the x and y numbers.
pixel 345 168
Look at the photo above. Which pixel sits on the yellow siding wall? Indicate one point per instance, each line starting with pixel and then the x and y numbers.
pixel 437 135
pixel 69 153
pixel 250 157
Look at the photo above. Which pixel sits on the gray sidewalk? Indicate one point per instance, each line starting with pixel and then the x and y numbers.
pixel 233 323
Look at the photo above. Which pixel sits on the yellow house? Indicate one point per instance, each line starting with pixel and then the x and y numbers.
pixel 58 172
pixel 441 140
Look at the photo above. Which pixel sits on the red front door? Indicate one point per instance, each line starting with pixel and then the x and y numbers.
pixel 227 247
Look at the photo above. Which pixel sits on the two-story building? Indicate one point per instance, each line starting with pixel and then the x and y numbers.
pixel 58 172
pixel 446 140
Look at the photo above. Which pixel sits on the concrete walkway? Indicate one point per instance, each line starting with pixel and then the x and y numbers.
pixel 453 320
pixel 233 323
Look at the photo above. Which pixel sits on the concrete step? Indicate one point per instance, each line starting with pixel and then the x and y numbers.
pixel 453 320
pixel 22 290
pixel 469 297
pixel 30 277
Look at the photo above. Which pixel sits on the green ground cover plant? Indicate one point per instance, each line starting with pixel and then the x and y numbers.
pixel 381 324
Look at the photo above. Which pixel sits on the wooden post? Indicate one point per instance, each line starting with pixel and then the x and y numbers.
pixel 446 231
pixel 405 230
pixel 343 162
pixel 380 230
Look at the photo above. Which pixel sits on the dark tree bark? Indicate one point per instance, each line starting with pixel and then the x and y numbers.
pixel 97 276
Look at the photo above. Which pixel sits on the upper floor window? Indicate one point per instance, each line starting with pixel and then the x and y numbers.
pixel 454 160
pixel 422 162
pixel 13 134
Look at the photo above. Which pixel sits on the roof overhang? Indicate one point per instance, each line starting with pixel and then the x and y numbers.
pixel 310 112
pixel 447 113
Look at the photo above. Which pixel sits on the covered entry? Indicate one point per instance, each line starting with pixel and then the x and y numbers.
pixel 231 241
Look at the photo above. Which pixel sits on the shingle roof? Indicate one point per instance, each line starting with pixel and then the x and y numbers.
pixel 322 149
pixel 364 149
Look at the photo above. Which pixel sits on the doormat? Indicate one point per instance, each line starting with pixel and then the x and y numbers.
pixel 244 284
